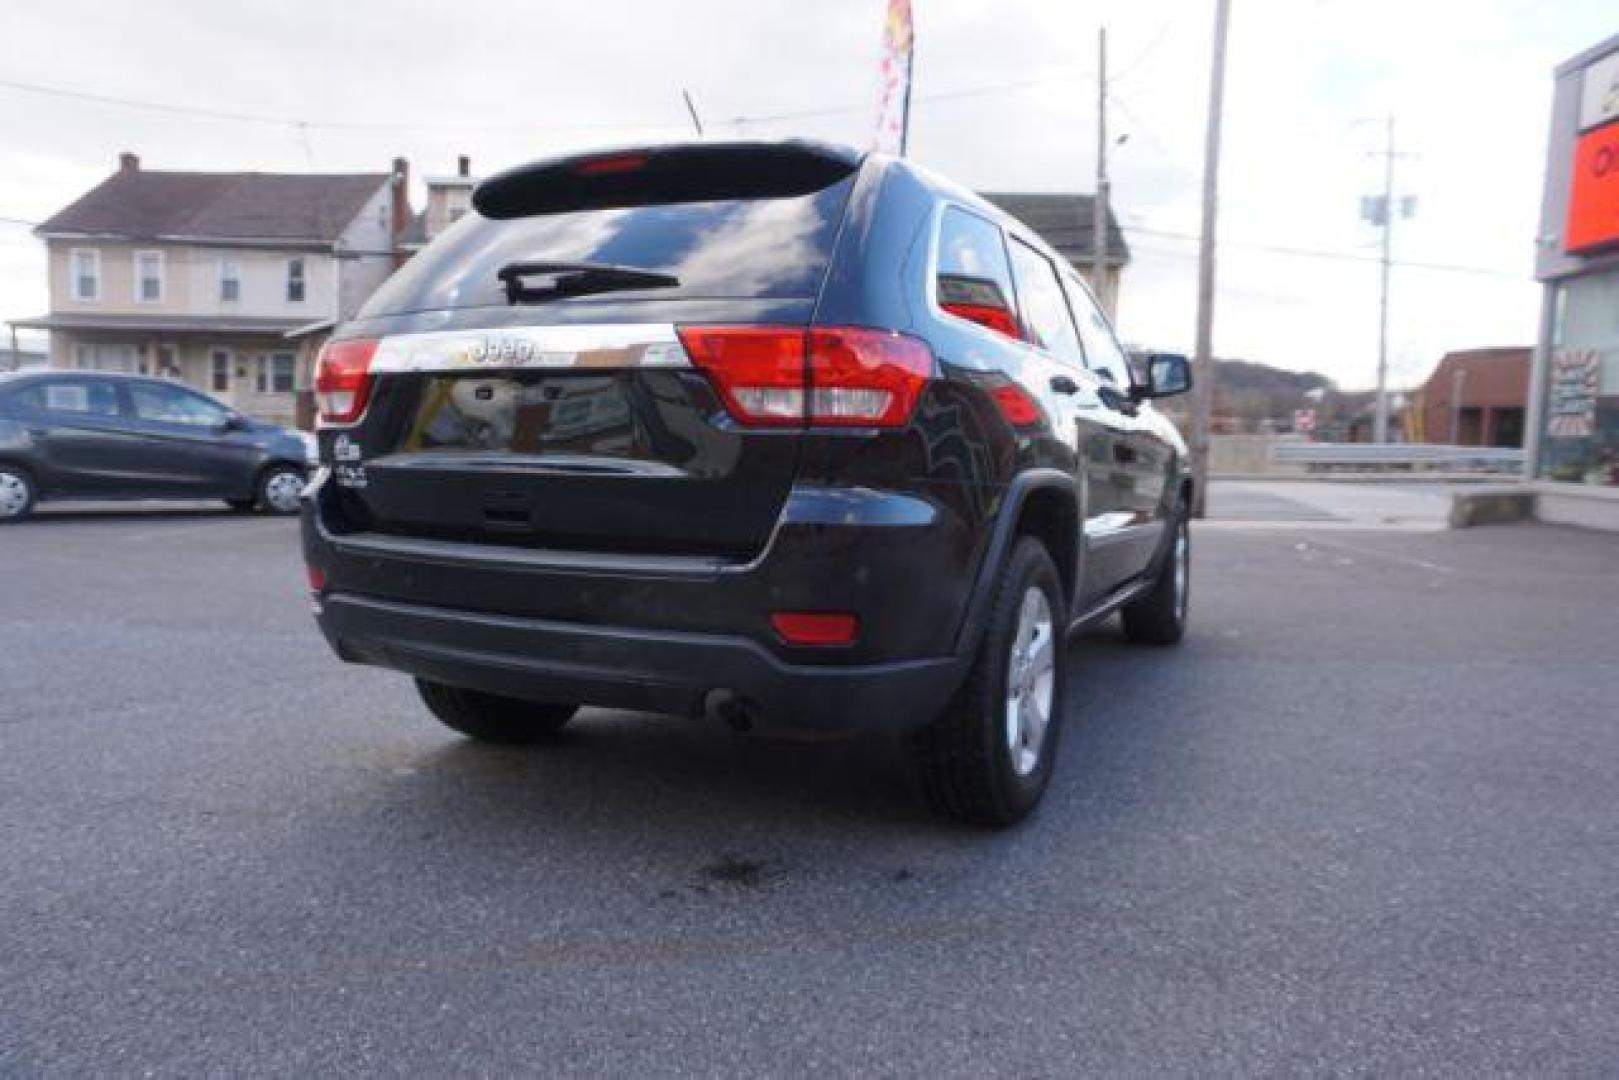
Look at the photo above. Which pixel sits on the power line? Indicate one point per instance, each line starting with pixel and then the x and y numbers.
pixel 1327 253
pixel 202 112
pixel 302 124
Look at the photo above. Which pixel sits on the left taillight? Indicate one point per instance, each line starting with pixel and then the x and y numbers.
pixel 773 376
pixel 343 379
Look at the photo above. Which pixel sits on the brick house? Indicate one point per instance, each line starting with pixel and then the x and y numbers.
pixel 1475 397
pixel 224 281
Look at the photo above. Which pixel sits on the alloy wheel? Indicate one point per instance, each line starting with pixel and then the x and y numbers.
pixel 1031 678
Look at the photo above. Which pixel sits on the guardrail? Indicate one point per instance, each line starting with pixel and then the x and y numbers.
pixel 1397 457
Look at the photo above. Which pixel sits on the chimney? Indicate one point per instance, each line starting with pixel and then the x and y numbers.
pixel 129 163
pixel 399 185
pixel 463 166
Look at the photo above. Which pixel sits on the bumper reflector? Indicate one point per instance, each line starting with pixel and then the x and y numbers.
pixel 815 627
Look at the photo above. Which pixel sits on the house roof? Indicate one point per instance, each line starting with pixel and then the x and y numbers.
pixel 289 207
pixel 1063 220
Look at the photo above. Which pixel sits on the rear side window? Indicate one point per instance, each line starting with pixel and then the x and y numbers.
pixel 69 397
pixel 763 248
pixel 973 279
pixel 1046 320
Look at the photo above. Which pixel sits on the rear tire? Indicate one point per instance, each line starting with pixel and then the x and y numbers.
pixel 279 489
pixel 1159 616
pixel 18 494
pixel 988 759
pixel 492 717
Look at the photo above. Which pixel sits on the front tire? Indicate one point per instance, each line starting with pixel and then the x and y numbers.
pixel 18 494
pixel 1159 616
pixel 494 718
pixel 280 487
pixel 988 759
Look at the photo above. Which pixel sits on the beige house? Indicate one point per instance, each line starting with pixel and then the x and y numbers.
pixel 221 280
pixel 1066 222
pixel 449 199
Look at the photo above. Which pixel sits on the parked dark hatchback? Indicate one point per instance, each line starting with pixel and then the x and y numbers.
pixel 802 439
pixel 83 435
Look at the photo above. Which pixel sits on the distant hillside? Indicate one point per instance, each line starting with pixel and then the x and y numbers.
pixel 1246 376
pixel 1251 395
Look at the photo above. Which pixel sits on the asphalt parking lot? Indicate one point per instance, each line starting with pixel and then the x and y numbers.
pixel 1365 820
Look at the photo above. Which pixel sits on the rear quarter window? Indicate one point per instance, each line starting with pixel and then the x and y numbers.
pixel 773 248
pixel 973 280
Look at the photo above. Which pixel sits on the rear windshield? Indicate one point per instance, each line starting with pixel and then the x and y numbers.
pixel 750 248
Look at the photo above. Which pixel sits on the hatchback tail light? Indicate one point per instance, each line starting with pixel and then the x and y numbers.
pixel 343 379
pixel 826 376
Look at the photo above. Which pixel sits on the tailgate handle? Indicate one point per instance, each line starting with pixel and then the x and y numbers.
pixel 506 510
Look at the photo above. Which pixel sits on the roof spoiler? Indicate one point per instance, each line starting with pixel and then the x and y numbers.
pixel 658 175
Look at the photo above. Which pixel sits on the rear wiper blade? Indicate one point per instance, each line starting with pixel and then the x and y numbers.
pixel 563 279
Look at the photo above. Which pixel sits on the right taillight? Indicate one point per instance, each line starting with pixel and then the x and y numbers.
pixel 343 379
pixel 824 376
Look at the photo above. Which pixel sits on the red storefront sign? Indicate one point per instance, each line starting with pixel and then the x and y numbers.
pixel 1593 204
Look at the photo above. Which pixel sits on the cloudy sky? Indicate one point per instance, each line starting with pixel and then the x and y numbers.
pixel 1004 99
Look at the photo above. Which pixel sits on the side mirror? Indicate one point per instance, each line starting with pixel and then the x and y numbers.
pixel 1168 374
pixel 233 422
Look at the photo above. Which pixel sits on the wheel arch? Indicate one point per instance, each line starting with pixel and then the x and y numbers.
pixel 1047 504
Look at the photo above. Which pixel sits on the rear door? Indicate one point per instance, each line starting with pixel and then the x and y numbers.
pixel 530 384
pixel 80 434
pixel 1100 431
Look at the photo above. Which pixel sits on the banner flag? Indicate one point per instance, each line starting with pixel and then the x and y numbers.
pixel 894 95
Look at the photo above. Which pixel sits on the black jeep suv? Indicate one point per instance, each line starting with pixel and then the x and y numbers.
pixel 803 439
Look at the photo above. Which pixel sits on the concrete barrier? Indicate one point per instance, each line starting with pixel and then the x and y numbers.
pixel 1491 506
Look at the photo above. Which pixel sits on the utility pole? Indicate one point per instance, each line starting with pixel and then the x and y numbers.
pixel 1099 202
pixel 1458 380
pixel 1203 383
pixel 1380 420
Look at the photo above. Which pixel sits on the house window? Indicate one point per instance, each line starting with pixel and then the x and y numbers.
pixel 230 280
pixel 149 276
pixel 86 273
pixel 89 357
pixel 295 281
pixel 276 373
pixel 219 363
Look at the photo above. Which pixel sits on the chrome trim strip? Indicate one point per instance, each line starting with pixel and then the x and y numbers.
pixel 595 345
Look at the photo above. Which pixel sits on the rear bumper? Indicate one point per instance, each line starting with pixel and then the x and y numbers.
pixel 674 634
pixel 654 670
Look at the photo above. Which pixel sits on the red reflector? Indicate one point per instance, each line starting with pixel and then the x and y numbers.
pixel 996 318
pixel 1015 404
pixel 618 163
pixel 317 578
pixel 343 379
pixel 815 627
pixel 855 377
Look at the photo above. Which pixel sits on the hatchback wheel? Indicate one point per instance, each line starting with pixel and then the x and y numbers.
pixel 988 759
pixel 494 717
pixel 17 494
pixel 280 488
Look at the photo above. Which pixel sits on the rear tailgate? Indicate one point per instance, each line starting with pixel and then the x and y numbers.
pixel 539 418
